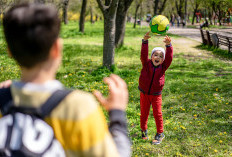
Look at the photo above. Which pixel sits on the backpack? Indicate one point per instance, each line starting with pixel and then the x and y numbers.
pixel 23 131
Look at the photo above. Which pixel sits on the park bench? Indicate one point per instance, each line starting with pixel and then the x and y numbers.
pixel 205 36
pixel 215 39
pixel 225 41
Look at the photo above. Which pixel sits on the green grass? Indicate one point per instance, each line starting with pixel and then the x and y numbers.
pixel 219 53
pixel 197 98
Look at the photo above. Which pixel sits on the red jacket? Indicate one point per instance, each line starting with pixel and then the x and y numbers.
pixel 151 80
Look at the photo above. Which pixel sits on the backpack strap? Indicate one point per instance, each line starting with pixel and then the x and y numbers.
pixel 5 97
pixel 44 110
pixel 53 101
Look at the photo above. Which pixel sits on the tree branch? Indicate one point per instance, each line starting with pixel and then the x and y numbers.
pixel 102 6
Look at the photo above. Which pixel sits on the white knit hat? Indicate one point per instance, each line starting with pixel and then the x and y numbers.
pixel 158 49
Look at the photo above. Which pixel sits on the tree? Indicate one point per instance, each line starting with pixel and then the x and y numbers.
pixel 91 14
pixel 195 4
pixel 163 5
pixel 159 6
pixel 109 12
pixel 65 11
pixel 156 2
pixel 122 10
pixel 220 7
pixel 185 11
pixel 82 16
pixel 94 10
pixel 138 3
pixel 179 7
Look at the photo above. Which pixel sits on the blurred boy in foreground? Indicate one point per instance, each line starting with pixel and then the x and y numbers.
pixel 32 35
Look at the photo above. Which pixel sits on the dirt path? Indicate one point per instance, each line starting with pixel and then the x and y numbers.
pixel 191 33
pixel 188 48
pixel 194 33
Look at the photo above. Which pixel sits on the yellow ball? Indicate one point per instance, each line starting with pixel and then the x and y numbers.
pixel 159 24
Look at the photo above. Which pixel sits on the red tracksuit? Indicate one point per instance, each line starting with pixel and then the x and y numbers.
pixel 151 82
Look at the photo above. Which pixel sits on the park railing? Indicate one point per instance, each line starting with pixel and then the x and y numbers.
pixel 216 40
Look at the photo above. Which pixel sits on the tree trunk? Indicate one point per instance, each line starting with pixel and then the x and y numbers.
pixel 186 11
pixel 82 16
pixel 179 8
pixel 219 16
pixel 91 15
pixel 65 11
pixel 136 12
pixel 162 7
pixel 122 10
pixel 194 15
pixel 120 27
pixel 194 12
pixel 109 42
pixel 96 17
pixel 109 11
pixel 156 7
pixel 210 16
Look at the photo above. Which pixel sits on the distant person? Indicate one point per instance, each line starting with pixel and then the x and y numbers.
pixel 148 19
pixel 138 22
pixel 32 36
pixel 151 82
pixel 128 18
pixel 205 24
pixel 178 21
pixel 172 20
pixel 198 18
pixel 183 23
pixel 230 20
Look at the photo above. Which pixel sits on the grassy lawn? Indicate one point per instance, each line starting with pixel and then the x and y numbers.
pixel 197 96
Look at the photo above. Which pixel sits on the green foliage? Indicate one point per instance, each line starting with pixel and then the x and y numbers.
pixel 196 98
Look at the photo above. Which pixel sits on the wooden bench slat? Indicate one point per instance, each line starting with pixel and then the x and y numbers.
pixel 222 40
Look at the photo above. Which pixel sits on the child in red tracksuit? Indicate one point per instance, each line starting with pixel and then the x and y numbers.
pixel 151 82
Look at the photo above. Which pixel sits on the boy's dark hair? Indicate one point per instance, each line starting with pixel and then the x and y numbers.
pixel 30 31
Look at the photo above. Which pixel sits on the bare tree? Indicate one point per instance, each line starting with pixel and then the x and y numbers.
pixel 82 16
pixel 122 10
pixel 109 10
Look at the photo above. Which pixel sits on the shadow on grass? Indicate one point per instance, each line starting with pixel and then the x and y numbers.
pixel 223 54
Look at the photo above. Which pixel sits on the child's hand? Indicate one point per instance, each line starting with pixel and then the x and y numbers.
pixel 118 94
pixel 5 84
pixel 167 40
pixel 147 36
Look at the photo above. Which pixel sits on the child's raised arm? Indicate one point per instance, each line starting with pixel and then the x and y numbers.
pixel 167 40
pixel 147 36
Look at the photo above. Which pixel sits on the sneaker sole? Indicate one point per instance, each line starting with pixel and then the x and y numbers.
pixel 158 142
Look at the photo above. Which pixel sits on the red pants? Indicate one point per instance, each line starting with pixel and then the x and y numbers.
pixel 145 103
